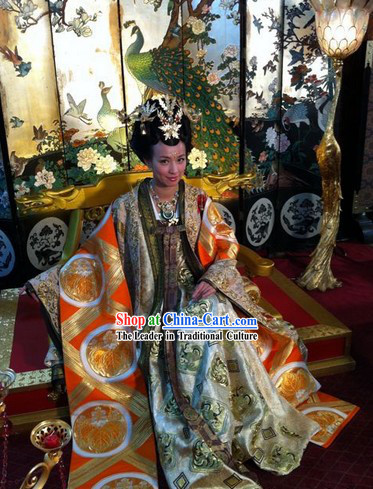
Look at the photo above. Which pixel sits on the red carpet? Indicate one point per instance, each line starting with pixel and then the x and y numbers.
pixel 346 464
pixel 352 304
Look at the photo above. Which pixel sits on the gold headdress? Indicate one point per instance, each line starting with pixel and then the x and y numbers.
pixel 170 113
pixel 170 120
pixel 143 113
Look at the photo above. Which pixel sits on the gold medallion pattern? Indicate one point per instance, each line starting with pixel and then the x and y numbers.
pixel 128 483
pixel 295 385
pixel 109 357
pixel 329 423
pixel 100 429
pixel 81 280
pixel 251 289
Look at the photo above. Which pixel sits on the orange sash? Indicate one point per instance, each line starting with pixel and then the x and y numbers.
pixel 113 436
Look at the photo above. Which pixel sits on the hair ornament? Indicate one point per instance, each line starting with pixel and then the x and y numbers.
pixel 192 114
pixel 170 120
pixel 169 111
pixel 143 113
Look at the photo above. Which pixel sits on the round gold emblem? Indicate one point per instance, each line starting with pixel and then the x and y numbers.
pixel 190 414
pixel 329 423
pixel 107 356
pixel 295 385
pixel 128 483
pixel 81 280
pixel 100 428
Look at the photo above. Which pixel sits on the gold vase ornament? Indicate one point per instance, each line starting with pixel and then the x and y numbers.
pixel 49 436
pixel 340 26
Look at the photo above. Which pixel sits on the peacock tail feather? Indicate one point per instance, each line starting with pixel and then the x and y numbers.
pixel 213 134
pixel 140 67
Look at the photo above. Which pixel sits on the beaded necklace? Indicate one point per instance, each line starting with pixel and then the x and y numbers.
pixel 167 209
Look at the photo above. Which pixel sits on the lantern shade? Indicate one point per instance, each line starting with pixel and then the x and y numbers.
pixel 340 31
pixel 319 5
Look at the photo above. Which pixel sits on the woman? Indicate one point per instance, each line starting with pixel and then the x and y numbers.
pixel 212 403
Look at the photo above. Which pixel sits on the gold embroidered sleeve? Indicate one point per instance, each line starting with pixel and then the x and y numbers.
pixel 46 287
pixel 119 216
pixel 222 273
pixel 224 277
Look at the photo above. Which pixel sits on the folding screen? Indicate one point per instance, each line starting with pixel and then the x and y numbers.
pixel 288 97
pixel 363 201
pixel 71 70
pixel 9 256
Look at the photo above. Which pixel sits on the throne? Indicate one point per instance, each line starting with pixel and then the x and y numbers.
pixel 327 339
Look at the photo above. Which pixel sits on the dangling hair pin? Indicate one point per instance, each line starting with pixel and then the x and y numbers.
pixel 192 114
pixel 144 114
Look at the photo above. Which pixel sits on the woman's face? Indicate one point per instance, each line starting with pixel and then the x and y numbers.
pixel 168 164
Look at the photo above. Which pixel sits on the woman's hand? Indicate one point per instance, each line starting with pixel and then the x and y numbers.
pixel 202 291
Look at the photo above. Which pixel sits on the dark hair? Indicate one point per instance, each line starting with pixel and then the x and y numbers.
pixel 142 144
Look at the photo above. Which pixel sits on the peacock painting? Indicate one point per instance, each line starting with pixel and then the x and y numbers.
pixel 170 69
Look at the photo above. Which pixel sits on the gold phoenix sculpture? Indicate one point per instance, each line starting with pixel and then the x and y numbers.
pixel 340 27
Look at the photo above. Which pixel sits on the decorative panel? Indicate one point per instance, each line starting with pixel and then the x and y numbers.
pixel 264 28
pixel 72 70
pixel 5 212
pixel 364 197
pixel 288 97
pixel 146 28
pixel 212 69
pixel 9 259
pixel 87 53
pixel 10 263
pixel 29 98
pixel 191 53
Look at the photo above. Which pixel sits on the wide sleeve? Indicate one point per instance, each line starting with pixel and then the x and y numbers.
pixel 46 287
pixel 217 250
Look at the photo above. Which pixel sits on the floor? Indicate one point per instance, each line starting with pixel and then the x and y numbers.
pixel 346 464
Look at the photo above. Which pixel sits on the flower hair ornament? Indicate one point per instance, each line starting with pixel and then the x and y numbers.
pixel 170 121
pixel 170 113
pixel 142 114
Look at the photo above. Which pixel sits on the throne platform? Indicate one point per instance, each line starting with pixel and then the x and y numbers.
pixel 25 341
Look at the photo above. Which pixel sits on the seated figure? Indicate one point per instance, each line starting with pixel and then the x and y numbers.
pixel 164 247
